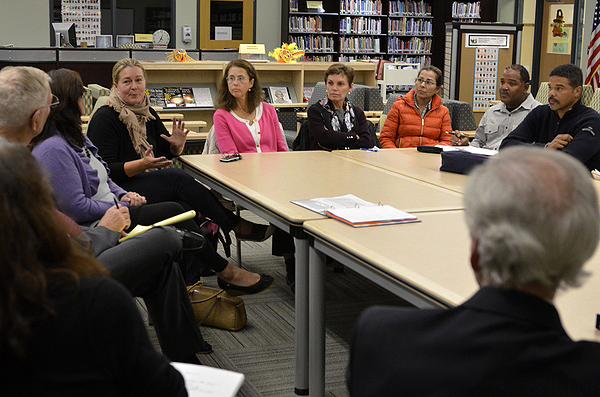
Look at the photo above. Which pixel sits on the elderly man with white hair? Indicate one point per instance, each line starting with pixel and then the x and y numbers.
pixel 144 264
pixel 534 221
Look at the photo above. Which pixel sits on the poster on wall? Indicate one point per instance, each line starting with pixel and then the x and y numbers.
pixel 85 14
pixel 560 29
pixel 486 77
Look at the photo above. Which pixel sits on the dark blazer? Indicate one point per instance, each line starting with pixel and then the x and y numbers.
pixel 498 343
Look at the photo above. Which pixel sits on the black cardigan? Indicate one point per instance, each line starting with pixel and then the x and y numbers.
pixel 110 136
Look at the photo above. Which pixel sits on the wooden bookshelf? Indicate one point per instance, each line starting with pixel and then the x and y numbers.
pixel 398 30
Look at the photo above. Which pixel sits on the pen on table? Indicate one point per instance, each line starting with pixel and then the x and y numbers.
pixel 373 149
pixel 456 134
pixel 116 202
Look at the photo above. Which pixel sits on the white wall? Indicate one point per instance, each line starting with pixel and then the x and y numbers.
pixel 268 23
pixel 186 13
pixel 25 24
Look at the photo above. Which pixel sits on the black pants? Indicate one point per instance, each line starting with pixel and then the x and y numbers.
pixel 174 184
pixel 151 213
pixel 283 243
pixel 144 265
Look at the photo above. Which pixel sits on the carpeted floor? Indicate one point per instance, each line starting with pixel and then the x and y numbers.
pixel 264 350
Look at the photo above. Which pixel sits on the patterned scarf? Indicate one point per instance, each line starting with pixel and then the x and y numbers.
pixel 135 118
pixel 349 117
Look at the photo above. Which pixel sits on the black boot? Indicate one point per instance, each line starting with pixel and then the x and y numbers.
pixel 290 269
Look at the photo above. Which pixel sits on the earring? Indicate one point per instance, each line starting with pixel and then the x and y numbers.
pixel 250 89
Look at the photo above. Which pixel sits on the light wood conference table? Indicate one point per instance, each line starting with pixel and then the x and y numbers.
pixel 409 162
pixel 265 183
pixel 427 273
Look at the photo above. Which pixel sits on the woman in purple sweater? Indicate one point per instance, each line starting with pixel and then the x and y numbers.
pixel 84 191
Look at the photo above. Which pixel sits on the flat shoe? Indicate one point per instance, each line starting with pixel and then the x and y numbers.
pixel 236 290
pixel 259 233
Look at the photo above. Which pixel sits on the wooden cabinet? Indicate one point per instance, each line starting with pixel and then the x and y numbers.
pixel 293 75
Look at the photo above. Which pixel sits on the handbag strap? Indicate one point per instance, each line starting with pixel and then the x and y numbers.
pixel 215 295
pixel 210 310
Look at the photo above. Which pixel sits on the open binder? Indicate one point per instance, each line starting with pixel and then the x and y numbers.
pixel 357 212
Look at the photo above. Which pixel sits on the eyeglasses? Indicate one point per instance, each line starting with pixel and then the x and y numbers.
pixel 419 81
pixel 240 79
pixel 53 105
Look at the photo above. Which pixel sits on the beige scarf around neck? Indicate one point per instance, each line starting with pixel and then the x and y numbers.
pixel 135 118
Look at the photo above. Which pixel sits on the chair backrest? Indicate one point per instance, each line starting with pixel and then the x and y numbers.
pixel 363 96
pixel 595 101
pixel 586 94
pixel 460 113
pixel 210 145
pixel 99 103
pixel 542 94
pixel 88 101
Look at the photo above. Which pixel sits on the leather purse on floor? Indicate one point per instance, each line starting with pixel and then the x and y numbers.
pixel 216 308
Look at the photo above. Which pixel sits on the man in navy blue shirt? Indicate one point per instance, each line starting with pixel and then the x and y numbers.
pixel 564 124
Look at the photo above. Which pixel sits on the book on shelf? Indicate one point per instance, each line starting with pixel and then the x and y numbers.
pixel 156 97
pixel 307 93
pixel 267 95
pixel 173 97
pixel 188 97
pixel 202 97
pixel 357 212
pixel 279 95
pixel 314 6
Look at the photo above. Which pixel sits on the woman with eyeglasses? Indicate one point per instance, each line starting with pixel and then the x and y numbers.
pixel 245 124
pixel 419 118
pixel 84 189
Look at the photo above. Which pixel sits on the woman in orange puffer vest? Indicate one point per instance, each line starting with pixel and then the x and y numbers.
pixel 418 118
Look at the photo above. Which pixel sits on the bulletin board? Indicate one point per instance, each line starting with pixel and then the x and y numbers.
pixel 488 58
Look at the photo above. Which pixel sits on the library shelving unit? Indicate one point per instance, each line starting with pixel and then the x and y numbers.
pixel 314 31
pixel 466 11
pixel 362 34
pixel 398 30
pixel 410 31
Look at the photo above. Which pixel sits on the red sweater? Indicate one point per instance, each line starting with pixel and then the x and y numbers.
pixel 404 126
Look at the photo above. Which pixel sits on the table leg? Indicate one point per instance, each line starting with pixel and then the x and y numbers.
pixel 316 333
pixel 301 348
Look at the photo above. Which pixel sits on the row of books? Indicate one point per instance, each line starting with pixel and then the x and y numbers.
pixel 414 45
pixel 360 25
pixel 424 60
pixel 318 58
pixel 353 58
pixel 371 7
pixel 410 26
pixel 306 24
pixel 466 10
pixel 172 97
pixel 359 44
pixel 410 8
pixel 314 43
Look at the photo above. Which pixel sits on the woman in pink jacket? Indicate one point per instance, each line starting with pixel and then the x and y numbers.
pixel 418 118
pixel 245 124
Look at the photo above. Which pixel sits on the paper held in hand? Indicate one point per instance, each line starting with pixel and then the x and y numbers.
pixel 139 229
pixel 356 211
